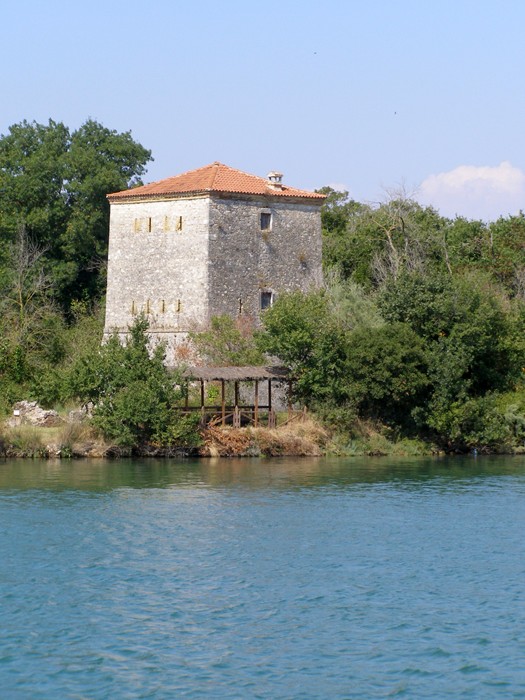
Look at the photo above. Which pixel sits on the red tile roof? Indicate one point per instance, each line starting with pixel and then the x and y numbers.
pixel 215 177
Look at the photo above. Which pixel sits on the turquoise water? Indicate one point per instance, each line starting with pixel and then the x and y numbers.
pixel 263 579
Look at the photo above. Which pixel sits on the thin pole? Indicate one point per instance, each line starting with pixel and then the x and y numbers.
pixel 236 393
pixel 202 393
pixel 223 402
pixel 256 405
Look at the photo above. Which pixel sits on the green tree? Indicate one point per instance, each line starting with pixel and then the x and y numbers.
pixel 135 395
pixel 386 372
pixel 376 243
pixel 53 183
pixel 227 342
pixel 31 328
pixel 466 327
pixel 300 330
pixel 377 370
pixel 506 253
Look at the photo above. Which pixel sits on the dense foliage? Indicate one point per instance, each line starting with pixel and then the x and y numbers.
pixel 228 341
pixel 440 349
pixel 418 331
pixel 134 394
pixel 53 186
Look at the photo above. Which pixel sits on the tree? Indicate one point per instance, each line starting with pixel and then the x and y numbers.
pixel 375 369
pixel 53 183
pixel 30 325
pixel 300 330
pixel 135 395
pixel 386 372
pixel 370 244
pixel 227 342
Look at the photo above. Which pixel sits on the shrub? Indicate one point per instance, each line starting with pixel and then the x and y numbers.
pixel 135 395
pixel 473 424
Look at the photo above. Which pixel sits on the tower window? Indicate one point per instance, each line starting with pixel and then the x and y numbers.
pixel 266 300
pixel 266 221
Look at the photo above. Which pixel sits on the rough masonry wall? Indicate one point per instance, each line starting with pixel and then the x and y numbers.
pixel 246 260
pixel 157 265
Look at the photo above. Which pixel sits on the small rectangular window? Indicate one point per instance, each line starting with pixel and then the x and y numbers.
pixel 149 224
pixel 179 223
pixel 266 300
pixel 266 221
pixel 166 224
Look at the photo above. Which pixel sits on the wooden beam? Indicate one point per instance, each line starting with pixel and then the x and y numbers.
pixel 269 394
pixel 223 402
pixel 256 404
pixel 236 393
pixel 202 393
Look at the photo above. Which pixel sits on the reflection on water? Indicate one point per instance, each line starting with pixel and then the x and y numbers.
pixel 102 475
pixel 264 578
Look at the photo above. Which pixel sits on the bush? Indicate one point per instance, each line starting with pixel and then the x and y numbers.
pixel 473 424
pixel 228 342
pixel 386 372
pixel 135 395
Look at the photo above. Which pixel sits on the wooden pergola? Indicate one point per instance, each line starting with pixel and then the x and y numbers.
pixel 237 413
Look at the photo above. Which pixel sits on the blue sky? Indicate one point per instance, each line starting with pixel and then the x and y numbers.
pixel 369 96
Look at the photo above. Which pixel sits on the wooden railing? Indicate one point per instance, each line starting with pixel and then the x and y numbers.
pixel 239 416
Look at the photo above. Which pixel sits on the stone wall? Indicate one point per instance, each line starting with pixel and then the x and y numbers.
pixel 158 264
pixel 246 259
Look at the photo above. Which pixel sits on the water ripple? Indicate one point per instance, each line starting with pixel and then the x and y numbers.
pixel 272 579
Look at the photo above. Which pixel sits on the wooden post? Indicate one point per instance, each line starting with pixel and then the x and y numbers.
pixel 289 399
pixel 270 403
pixel 202 393
pixel 223 403
pixel 236 393
pixel 256 404
pixel 186 398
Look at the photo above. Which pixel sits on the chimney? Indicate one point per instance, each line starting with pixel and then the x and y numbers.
pixel 275 180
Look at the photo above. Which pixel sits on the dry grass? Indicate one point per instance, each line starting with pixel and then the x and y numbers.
pixel 299 438
pixel 74 439
pixel 24 440
pixel 78 439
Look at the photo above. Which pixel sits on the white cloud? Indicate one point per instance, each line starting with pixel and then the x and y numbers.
pixel 477 192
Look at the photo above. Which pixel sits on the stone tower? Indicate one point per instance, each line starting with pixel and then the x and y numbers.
pixel 210 241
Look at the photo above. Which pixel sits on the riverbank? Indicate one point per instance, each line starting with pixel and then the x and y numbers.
pixel 80 440
pixel 77 438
